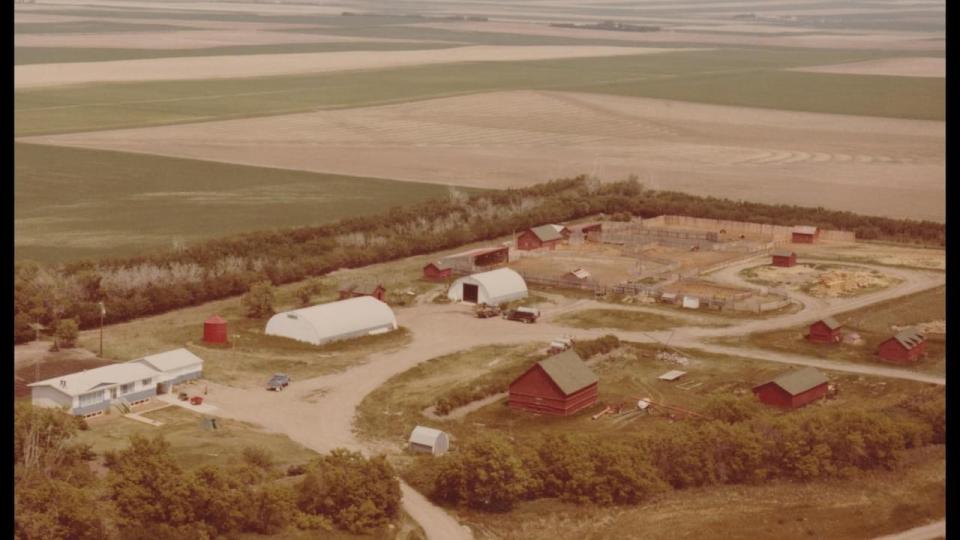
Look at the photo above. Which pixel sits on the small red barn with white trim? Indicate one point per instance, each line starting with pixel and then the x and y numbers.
pixel 825 331
pixel 793 389
pixel 559 385
pixel 437 271
pixel 784 258
pixel 906 347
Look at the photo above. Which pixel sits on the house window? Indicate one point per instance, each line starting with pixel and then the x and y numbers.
pixel 146 382
pixel 91 398
pixel 126 388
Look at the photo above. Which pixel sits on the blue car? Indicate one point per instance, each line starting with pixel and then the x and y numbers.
pixel 278 382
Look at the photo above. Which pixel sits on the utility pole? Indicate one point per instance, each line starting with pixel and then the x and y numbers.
pixel 103 313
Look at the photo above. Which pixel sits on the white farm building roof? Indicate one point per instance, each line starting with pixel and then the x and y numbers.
pixel 493 287
pixel 80 382
pixel 171 360
pixel 431 440
pixel 354 317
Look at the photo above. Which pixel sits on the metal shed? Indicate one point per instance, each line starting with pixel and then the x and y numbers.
pixel 354 317
pixel 429 441
pixel 492 288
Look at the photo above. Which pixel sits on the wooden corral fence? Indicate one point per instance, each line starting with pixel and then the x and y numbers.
pixel 779 233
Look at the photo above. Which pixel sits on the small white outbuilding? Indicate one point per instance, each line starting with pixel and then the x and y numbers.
pixel 493 288
pixel 334 321
pixel 429 440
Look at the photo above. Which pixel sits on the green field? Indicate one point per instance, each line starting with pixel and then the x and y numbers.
pixel 91 27
pixel 74 203
pixel 750 77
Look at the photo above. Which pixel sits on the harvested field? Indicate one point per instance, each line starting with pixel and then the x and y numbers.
pixel 500 140
pixel 898 67
pixel 165 69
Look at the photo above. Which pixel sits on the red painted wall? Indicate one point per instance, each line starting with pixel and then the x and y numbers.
pixel 892 351
pixel 534 391
pixel 527 240
pixel 799 238
pixel 432 273
pixel 785 261
pixel 771 394
pixel 215 332
pixel 819 333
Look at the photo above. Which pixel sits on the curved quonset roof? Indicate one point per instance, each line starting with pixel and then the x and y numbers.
pixel 334 321
pixel 496 286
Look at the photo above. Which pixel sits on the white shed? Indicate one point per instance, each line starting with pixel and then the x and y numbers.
pixel 334 321
pixel 691 302
pixel 493 288
pixel 429 440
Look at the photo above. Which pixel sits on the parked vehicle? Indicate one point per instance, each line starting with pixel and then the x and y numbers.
pixel 196 400
pixel 523 314
pixel 278 382
pixel 484 311
pixel 182 396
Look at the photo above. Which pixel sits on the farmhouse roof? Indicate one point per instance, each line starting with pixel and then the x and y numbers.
pixel 909 338
pixel 568 371
pixel 798 381
pixel 805 229
pixel 170 360
pixel 425 436
pixel 83 381
pixel 547 233
pixel 783 253
pixel 831 323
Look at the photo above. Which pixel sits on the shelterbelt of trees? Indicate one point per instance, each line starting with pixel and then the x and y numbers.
pixel 222 267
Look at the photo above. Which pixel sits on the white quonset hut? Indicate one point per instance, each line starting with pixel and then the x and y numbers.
pixel 93 391
pixel 429 440
pixel 334 321
pixel 493 288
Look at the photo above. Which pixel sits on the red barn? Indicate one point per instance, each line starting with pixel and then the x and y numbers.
pixel 793 389
pixel 805 234
pixel 437 271
pixel 906 347
pixel 215 330
pixel 825 331
pixel 544 236
pixel 375 290
pixel 559 385
pixel 784 258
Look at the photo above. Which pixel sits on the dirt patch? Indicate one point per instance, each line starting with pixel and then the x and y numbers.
pixel 704 289
pixel 821 281
pixel 900 67
pixel 263 65
pixel 511 139
pixel 606 264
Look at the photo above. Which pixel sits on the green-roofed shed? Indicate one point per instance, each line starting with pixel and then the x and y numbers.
pixel 561 385
pixel 544 236
pixel 793 388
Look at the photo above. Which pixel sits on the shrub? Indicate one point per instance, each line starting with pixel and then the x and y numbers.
pixel 66 333
pixel 485 475
pixel 258 301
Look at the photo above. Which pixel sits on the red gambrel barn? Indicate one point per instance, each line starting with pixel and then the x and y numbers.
pixel 784 258
pixel 215 330
pixel 559 385
pixel 793 389
pixel 906 347
pixel 354 290
pixel 825 331
pixel 805 234
pixel 544 236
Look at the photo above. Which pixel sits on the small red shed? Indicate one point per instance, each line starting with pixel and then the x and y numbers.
pixel 906 347
pixel 559 385
pixel 544 236
pixel 437 271
pixel 793 389
pixel 215 330
pixel 784 258
pixel 825 331
pixel 805 234
pixel 373 289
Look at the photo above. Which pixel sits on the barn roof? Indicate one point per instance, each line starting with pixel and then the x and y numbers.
pixel 500 282
pixel 783 253
pixel 474 252
pixel 805 229
pixel 326 322
pixel 170 360
pixel 425 436
pixel 798 381
pixel 830 323
pixel 909 338
pixel 83 381
pixel 216 319
pixel 547 233
pixel 568 371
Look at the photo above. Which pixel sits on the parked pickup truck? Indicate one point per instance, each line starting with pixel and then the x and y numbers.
pixel 484 311
pixel 523 314
pixel 278 382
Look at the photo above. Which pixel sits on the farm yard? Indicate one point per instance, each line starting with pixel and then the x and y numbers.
pixel 820 280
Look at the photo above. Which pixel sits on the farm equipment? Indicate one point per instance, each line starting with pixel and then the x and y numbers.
pixel 484 311
pixel 523 314
pixel 670 408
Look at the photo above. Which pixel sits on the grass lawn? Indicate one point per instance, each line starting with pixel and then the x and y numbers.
pixel 191 445
pixel 750 77
pixel 873 324
pixel 133 203
pixel 618 319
